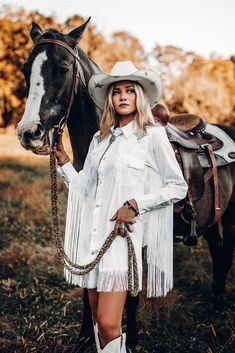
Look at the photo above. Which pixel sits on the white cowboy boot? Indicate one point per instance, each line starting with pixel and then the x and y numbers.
pixel 114 346
pixel 97 341
pixel 118 345
pixel 123 346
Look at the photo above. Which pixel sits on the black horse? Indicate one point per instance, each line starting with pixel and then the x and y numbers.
pixel 50 80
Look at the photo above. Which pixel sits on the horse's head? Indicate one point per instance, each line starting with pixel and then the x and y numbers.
pixel 50 75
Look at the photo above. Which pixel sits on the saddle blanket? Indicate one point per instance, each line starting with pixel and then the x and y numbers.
pixel 224 155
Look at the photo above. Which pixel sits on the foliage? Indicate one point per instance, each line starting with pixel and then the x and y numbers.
pixel 173 61
pixel 198 86
pixel 41 313
pixel 14 48
pixel 207 88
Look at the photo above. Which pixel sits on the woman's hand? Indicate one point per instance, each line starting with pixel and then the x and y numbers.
pixel 124 218
pixel 60 153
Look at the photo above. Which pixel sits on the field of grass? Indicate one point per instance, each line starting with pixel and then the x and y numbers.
pixel 40 313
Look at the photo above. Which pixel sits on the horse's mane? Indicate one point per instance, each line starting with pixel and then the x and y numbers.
pixel 50 33
pixel 98 68
pixel 87 58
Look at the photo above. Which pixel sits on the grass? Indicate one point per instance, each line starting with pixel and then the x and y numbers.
pixel 40 313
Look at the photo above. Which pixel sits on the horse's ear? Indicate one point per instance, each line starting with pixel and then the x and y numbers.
pixel 78 32
pixel 35 32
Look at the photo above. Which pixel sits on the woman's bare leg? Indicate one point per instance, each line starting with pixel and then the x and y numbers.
pixel 109 315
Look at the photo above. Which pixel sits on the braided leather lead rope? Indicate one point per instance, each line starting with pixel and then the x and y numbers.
pixel 75 269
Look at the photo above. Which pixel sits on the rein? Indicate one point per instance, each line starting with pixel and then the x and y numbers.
pixel 75 269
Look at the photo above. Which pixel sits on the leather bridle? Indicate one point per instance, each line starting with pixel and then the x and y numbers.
pixel 77 75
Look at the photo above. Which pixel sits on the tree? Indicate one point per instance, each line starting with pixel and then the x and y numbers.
pixel 14 49
pixel 206 87
pixel 173 61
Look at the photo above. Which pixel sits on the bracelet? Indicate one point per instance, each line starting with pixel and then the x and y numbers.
pixel 67 159
pixel 130 206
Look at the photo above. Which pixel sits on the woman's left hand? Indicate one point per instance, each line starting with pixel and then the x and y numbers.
pixel 124 218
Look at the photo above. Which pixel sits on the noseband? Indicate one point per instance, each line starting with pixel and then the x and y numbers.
pixel 77 74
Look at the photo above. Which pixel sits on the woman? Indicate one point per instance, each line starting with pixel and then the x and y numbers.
pixel 129 183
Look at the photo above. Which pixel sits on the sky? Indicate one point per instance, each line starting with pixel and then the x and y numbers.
pixel 202 26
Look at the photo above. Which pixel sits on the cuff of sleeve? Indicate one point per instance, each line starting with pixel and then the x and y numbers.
pixel 69 171
pixel 145 203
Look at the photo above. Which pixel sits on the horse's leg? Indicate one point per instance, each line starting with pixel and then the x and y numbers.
pixel 86 335
pixel 131 307
pixel 221 250
pixel 87 322
pixel 228 239
pixel 215 244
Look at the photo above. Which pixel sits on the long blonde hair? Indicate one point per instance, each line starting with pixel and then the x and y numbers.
pixel 143 116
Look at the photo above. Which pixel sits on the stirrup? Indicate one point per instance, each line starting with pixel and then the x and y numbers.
pixel 190 238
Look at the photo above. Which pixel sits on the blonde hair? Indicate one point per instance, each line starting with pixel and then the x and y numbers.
pixel 143 116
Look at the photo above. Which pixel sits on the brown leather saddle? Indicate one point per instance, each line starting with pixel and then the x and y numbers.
pixel 186 132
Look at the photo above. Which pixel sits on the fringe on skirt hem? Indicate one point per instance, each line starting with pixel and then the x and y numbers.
pixel 103 281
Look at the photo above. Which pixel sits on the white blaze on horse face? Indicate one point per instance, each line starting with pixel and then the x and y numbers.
pixel 31 117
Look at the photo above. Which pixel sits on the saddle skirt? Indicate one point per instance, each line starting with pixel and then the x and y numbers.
pixel 225 155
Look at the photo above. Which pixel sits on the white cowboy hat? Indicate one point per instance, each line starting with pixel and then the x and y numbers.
pixel 125 71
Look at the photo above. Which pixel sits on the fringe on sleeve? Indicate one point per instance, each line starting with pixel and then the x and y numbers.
pixel 75 209
pixel 158 237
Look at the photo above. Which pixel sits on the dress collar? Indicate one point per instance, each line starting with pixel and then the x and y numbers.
pixel 127 130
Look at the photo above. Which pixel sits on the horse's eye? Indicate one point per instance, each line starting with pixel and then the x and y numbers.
pixel 63 70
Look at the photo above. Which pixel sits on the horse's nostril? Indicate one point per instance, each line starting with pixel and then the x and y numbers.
pixel 33 135
pixel 37 134
pixel 27 136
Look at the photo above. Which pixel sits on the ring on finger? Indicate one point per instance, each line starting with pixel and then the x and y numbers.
pixel 123 230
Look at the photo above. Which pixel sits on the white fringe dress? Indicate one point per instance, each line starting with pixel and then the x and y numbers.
pixel 127 164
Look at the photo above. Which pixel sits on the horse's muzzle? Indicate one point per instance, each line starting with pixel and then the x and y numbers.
pixel 35 139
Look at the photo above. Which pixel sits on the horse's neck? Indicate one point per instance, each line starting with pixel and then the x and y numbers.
pixel 84 118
